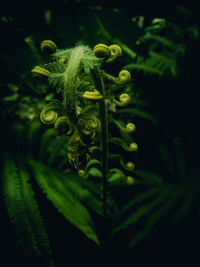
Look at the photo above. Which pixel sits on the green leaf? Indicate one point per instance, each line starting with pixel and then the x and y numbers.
pixel 65 202
pixel 24 213
pixel 95 172
pixel 116 176
pixel 11 98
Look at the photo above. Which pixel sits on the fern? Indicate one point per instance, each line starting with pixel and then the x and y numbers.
pixel 65 202
pixel 55 67
pixel 56 81
pixel 164 199
pixel 139 199
pixel 24 213
pixel 145 67
pixel 56 78
pixel 138 112
pixel 190 194
pixel 148 178
pixel 153 219
pixel 32 136
pixel 60 142
pixel 140 212
pixel 72 183
pixel 45 139
pixel 61 53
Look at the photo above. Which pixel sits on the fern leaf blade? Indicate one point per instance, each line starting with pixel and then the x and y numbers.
pixel 64 201
pixel 24 213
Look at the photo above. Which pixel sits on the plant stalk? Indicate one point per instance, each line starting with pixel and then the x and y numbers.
pixel 99 84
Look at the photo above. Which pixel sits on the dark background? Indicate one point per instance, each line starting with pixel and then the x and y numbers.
pixel 177 104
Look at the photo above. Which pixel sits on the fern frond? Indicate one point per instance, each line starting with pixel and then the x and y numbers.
pixel 67 204
pixel 157 204
pixel 154 218
pixel 108 36
pixel 24 213
pixel 160 39
pixel 139 199
pixel 73 184
pixel 62 53
pixel 142 66
pixel 56 80
pixel 55 67
pixel 139 213
pixel 162 62
pixel 56 70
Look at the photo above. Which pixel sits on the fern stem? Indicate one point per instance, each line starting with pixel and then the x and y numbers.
pixel 70 79
pixel 99 84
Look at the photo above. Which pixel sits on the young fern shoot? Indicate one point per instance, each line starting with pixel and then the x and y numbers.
pixel 83 114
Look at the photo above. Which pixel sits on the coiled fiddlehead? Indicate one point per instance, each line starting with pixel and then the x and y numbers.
pixel 124 99
pixel 50 113
pixel 88 126
pixel 118 141
pixel 95 95
pixel 40 72
pixel 130 180
pixel 129 166
pixel 102 51
pixel 62 125
pixel 130 127
pixel 78 151
pixel 115 53
pixel 123 77
pixel 48 47
pixel 48 117
pixel 108 53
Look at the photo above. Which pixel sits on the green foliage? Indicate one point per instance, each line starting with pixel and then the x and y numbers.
pixel 63 200
pixel 24 212
pixel 162 55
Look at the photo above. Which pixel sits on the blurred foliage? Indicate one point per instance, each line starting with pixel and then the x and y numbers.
pixel 161 49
